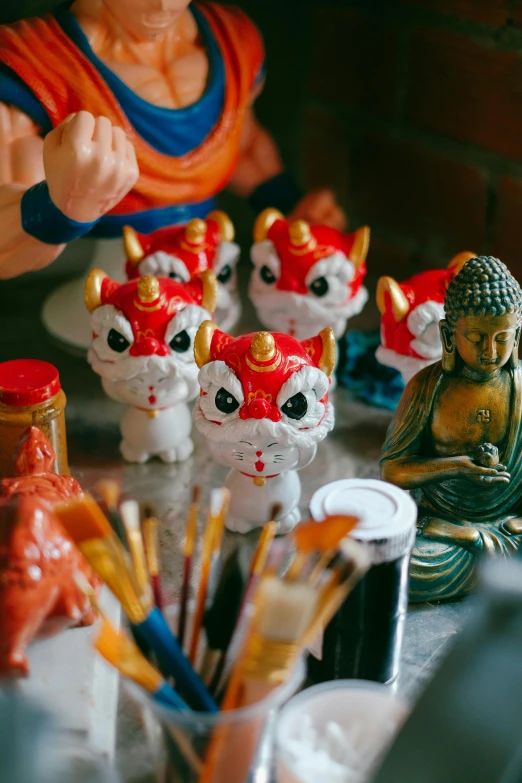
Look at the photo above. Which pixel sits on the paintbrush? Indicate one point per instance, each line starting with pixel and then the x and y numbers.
pixel 287 616
pixel 257 566
pixel 320 538
pixel 221 616
pixel 212 537
pixel 188 553
pixel 130 514
pixel 219 505
pixel 109 491
pixel 150 534
pixel 119 651
pixel 89 528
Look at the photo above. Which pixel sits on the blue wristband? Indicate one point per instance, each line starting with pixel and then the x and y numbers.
pixel 280 192
pixel 42 219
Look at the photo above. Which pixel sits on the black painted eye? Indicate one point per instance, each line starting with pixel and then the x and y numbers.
pixel 320 286
pixel 117 342
pixel 176 277
pixel 226 402
pixel 266 275
pixel 295 407
pixel 180 342
pixel 225 274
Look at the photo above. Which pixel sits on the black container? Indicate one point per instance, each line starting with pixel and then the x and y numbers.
pixel 364 639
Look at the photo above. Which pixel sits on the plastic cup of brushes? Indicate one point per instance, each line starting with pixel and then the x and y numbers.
pixel 182 742
pixel 337 732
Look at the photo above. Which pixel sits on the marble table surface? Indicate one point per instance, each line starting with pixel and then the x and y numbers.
pixel 352 450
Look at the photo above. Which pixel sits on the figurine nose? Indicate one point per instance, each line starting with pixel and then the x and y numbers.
pixel 260 409
pixel 491 350
pixel 148 346
pixel 291 283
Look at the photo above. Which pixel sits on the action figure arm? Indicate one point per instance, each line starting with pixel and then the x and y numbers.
pixel 21 166
pixel 55 190
pixel 260 162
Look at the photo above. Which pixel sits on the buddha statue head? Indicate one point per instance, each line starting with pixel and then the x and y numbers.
pixel 483 306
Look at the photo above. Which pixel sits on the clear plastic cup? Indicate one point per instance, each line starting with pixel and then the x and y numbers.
pixel 183 742
pixel 337 732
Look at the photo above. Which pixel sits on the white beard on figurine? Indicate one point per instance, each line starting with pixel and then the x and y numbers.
pixel 263 409
pixel 143 349
pixel 185 251
pixel 410 315
pixel 307 277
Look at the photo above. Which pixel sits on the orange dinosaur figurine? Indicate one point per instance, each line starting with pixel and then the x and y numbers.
pixel 38 595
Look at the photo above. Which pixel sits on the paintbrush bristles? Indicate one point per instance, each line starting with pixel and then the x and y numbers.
pixel 109 491
pixel 130 514
pixel 219 502
pixel 324 535
pixel 150 534
pixel 83 519
pixel 285 609
pixel 119 650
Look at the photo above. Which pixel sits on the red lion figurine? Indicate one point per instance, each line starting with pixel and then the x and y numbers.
pixel 410 315
pixel 38 594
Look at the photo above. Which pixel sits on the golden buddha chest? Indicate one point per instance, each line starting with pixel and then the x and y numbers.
pixel 466 414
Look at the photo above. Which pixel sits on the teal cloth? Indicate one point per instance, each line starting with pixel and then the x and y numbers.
pixel 361 373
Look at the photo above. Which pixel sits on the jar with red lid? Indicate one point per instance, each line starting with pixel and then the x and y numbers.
pixel 31 394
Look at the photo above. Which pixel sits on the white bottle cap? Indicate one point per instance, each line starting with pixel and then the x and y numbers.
pixel 388 514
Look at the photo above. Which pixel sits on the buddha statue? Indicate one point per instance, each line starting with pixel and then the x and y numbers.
pixel 456 438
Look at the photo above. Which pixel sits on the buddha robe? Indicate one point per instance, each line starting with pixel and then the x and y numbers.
pixel 440 569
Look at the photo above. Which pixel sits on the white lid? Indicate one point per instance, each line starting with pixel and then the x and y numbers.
pixel 388 514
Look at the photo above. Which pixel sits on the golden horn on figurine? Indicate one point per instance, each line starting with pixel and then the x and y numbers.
pixel 148 289
pixel 263 347
pixel 132 245
pixel 361 246
pixel 263 350
pixel 328 358
pixel 399 302
pixel 210 290
pixel 224 224
pixel 196 231
pixel 458 261
pixel 202 342
pixel 264 222
pixel 93 289
pixel 300 233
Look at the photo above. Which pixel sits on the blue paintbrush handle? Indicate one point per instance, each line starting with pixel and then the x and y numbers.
pixel 172 660
pixel 168 696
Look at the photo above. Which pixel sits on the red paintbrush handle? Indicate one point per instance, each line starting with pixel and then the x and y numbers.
pixel 157 592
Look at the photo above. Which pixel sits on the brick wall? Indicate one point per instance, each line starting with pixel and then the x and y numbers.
pixel 423 99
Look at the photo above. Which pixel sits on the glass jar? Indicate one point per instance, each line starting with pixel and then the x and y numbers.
pixel 30 394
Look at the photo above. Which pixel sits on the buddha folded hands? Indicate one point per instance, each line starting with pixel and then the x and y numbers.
pixel 455 439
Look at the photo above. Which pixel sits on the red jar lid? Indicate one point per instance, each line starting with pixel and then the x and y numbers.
pixel 27 382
